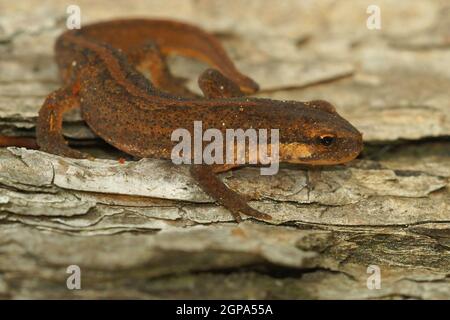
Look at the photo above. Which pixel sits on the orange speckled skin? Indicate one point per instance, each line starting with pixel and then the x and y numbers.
pixel 99 67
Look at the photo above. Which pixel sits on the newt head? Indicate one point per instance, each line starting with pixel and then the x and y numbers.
pixel 320 136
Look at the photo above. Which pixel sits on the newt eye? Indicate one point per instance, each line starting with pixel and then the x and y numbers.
pixel 326 140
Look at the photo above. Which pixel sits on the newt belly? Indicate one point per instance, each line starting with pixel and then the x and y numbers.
pixel 102 68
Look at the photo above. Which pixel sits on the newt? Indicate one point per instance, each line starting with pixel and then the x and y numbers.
pixel 102 67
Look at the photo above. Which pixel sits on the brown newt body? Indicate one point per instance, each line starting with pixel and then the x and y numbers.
pixel 99 65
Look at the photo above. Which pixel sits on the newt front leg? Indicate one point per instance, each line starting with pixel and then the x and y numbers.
pixel 206 177
pixel 215 85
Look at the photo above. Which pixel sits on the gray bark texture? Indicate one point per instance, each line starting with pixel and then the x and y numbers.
pixel 144 229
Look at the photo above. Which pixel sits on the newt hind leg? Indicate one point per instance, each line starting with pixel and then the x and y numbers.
pixel 149 60
pixel 215 85
pixel 205 175
pixel 49 124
